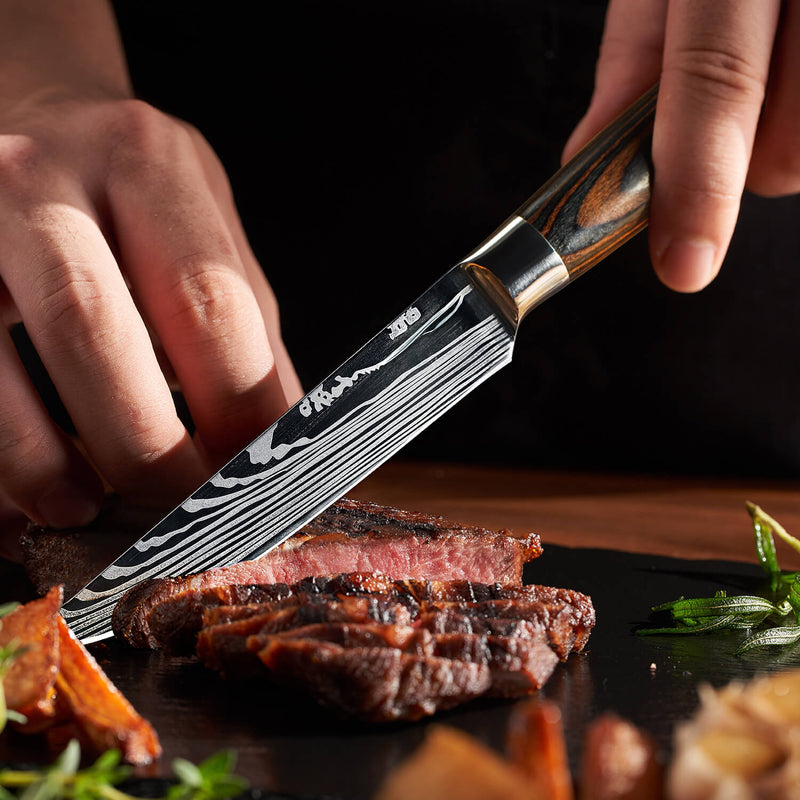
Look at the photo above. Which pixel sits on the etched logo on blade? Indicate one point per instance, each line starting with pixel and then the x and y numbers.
pixel 320 398
pixel 400 325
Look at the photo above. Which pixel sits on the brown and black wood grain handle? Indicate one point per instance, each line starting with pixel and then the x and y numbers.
pixel 601 197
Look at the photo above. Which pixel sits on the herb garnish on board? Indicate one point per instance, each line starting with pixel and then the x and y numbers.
pixel 210 780
pixel 773 617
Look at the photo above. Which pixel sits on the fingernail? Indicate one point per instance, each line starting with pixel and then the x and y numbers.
pixel 66 505
pixel 687 265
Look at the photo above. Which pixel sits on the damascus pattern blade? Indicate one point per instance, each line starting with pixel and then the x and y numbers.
pixel 443 346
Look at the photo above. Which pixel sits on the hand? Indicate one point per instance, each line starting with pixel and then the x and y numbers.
pixel 119 242
pixel 727 116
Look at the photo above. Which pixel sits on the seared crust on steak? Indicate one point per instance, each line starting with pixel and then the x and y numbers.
pixel 518 632
pixel 223 646
pixel 378 684
pixel 350 536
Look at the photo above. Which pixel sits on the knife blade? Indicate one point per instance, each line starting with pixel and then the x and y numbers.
pixel 451 339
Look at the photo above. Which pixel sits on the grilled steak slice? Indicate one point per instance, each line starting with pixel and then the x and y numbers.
pixel 568 624
pixel 517 666
pixel 520 641
pixel 405 638
pixel 173 622
pixel 348 537
pixel 374 684
pixel 223 646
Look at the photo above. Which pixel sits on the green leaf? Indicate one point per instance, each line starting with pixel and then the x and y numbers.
pixel 765 546
pixel 772 637
pixel 108 760
pixel 793 598
pixel 218 765
pixel 720 604
pixel 227 787
pixel 48 788
pixel 7 608
pixel 187 773
pixel 70 759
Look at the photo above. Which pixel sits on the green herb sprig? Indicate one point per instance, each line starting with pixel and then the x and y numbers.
pixel 775 619
pixel 212 779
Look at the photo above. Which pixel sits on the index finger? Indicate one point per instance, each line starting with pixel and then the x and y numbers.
pixel 713 82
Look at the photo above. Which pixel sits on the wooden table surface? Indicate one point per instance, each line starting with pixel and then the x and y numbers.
pixel 681 517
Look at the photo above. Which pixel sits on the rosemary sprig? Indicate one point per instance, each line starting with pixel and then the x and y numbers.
pixel 774 619
pixel 212 779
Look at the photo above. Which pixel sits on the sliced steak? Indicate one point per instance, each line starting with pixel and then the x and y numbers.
pixel 568 624
pixel 172 622
pixel 349 537
pixel 223 646
pixel 405 638
pixel 519 640
pixel 374 684
pixel 517 666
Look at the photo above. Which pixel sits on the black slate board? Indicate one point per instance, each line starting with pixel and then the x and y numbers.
pixel 289 745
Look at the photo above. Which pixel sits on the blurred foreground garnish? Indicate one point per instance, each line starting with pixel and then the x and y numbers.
pixel 212 779
pixel 774 617
pixel 7 655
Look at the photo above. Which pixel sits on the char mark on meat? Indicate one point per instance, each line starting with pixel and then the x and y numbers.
pixel 567 616
pixel 223 645
pixel 517 666
pixel 520 639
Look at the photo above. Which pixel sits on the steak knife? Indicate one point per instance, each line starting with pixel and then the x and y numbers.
pixel 445 343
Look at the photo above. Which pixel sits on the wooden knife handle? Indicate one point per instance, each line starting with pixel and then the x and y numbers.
pixel 601 197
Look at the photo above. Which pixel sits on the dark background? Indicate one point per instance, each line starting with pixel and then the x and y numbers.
pixel 371 145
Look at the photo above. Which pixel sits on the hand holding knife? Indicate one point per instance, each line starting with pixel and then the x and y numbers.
pixel 452 338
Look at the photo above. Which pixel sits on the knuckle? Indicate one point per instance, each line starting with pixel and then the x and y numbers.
pixel 720 72
pixel 21 158
pixel 207 298
pixel 142 136
pixel 135 436
pixel 21 443
pixel 69 298
pixel 144 446
pixel 706 192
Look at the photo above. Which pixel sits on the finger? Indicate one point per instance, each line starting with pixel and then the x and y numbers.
pixel 41 472
pixel 716 63
pixel 629 63
pixel 775 165
pixel 186 273
pixel 217 179
pixel 89 335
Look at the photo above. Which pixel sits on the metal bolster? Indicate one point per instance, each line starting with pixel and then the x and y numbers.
pixel 519 262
